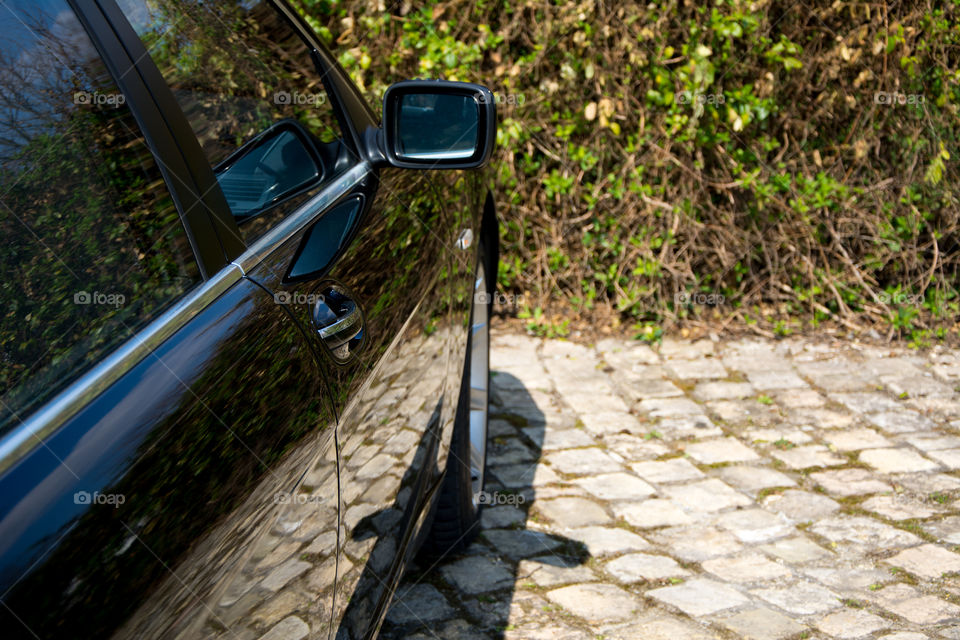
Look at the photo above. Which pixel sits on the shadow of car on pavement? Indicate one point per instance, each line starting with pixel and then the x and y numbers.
pixel 471 594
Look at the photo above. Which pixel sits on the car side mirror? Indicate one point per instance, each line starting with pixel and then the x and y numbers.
pixel 277 164
pixel 437 124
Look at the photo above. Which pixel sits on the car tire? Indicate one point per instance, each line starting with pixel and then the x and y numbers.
pixel 456 519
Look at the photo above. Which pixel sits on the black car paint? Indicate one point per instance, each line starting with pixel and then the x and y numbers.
pixel 185 437
pixel 244 404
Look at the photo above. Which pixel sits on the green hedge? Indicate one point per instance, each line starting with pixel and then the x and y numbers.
pixel 783 164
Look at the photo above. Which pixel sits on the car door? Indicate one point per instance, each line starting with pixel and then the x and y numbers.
pixel 392 285
pixel 161 410
pixel 393 397
pixel 363 265
pixel 390 269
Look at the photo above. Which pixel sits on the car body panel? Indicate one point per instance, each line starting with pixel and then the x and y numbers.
pixel 182 442
pixel 393 396
pixel 233 464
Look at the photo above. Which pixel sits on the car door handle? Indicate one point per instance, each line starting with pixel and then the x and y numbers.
pixel 338 319
pixel 344 329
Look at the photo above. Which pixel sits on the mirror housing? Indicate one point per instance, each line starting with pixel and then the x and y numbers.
pixel 272 167
pixel 438 124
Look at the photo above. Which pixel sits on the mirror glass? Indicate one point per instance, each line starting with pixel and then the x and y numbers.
pixel 436 126
pixel 266 170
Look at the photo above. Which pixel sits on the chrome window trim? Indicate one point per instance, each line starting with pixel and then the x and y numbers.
pixel 42 423
pixel 301 218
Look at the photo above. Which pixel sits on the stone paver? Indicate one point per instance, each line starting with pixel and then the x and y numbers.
pixel 847 579
pixel 673 470
pixel 476 574
pixel 950 458
pixel 768 380
pixel 801 505
pixel 636 567
pixel 762 624
pixel 582 461
pixel 932 442
pixel 421 602
pixel 726 450
pixel 283 574
pixel 754 525
pixel 863 531
pixel 800 598
pixel 670 407
pixel 927 561
pixel 501 517
pixel 616 486
pixel 596 602
pixel 706 495
pixel 553 571
pixel 712 489
pixel 704 368
pixel 653 513
pixel 751 567
pixel 522 543
pixel 706 391
pixel 781 437
pixel 946 530
pixel 754 479
pixel 602 541
pixel 656 626
pixel 696 544
pixel 796 550
pixel 856 439
pixel 850 482
pixel 573 512
pixel 909 603
pixel 699 597
pixel 900 421
pixel 897 460
pixel 805 457
pixel 851 623
pixel 898 508
pixel 291 628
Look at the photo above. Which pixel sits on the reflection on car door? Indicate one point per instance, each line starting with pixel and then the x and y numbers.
pixel 156 494
pixel 386 374
pixel 363 265
pixel 395 395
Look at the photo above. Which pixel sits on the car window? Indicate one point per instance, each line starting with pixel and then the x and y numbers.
pixel 93 246
pixel 237 68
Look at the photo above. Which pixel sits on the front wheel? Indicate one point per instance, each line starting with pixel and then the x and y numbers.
pixel 457 518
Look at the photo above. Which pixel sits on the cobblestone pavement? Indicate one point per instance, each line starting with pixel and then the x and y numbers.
pixel 742 489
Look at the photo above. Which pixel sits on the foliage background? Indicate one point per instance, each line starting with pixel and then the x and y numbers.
pixel 688 162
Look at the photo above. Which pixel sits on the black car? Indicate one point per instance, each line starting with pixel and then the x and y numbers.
pixel 245 336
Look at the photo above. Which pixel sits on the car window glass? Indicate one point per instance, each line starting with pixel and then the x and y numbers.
pixel 93 246
pixel 237 68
